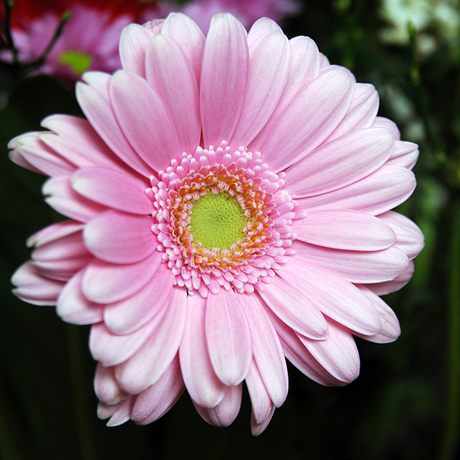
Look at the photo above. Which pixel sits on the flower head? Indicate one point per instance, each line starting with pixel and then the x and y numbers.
pixel 230 205
pixel 89 40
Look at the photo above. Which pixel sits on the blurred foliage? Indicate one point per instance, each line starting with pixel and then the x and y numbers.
pixel 405 403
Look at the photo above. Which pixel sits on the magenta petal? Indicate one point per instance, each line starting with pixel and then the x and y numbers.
pixel 112 349
pixel 307 121
pixel 267 350
pixel 35 288
pixel 106 387
pixel 269 58
pixel 61 197
pixel 94 101
pixel 120 238
pixel 130 314
pixel 293 308
pixel 332 295
pixel 356 266
pixel 348 230
pixel 226 411
pixel 224 72
pixel 377 193
pixel 147 366
pixel 341 162
pixel 170 74
pixel 188 36
pixel 104 282
pixel 337 354
pixel 228 337
pixel 72 306
pixel 133 42
pixel 200 379
pixel 144 119
pixel 154 402
pixel 113 189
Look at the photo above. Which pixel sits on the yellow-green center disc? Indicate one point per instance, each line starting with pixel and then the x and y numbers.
pixel 78 61
pixel 217 221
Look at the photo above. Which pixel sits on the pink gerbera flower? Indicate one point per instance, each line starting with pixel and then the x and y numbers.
pixel 230 205
pixel 89 41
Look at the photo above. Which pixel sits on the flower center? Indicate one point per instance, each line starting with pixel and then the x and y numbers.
pixel 217 221
pixel 222 220
pixel 78 61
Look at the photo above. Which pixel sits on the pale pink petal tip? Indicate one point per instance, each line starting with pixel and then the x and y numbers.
pixel 289 265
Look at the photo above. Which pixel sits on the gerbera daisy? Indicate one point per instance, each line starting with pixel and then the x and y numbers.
pixel 230 202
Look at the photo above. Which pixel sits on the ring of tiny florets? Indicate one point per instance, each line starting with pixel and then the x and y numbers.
pixel 266 206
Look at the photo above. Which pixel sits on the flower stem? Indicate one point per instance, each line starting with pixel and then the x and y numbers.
pixel 451 433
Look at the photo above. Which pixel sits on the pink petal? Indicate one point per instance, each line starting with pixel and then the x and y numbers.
pixel 112 349
pixel 133 43
pixel 224 72
pixel 228 337
pixel 120 238
pixel 54 232
pixel 291 306
pixel 337 354
pixel 61 197
pixel 144 119
pixel 226 411
pixel 113 189
pixel 332 295
pixel 130 314
pixel 35 288
pixel 393 285
pixel 107 283
pixel 122 413
pixel 409 237
pixel 341 162
pixel 262 406
pixel 36 153
pixel 356 266
pixel 390 325
pixel 300 357
pixel 77 141
pixel 269 58
pixel 267 350
pixel 361 113
pixel 304 68
pixel 307 121
pixel 94 101
pixel 61 258
pixel 348 230
pixel 189 37
pixel 106 386
pixel 377 193
pixel 385 123
pixel 405 155
pixel 73 307
pixel 200 379
pixel 170 74
pixel 261 27
pixel 154 402
pixel 147 366
pixel 18 159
